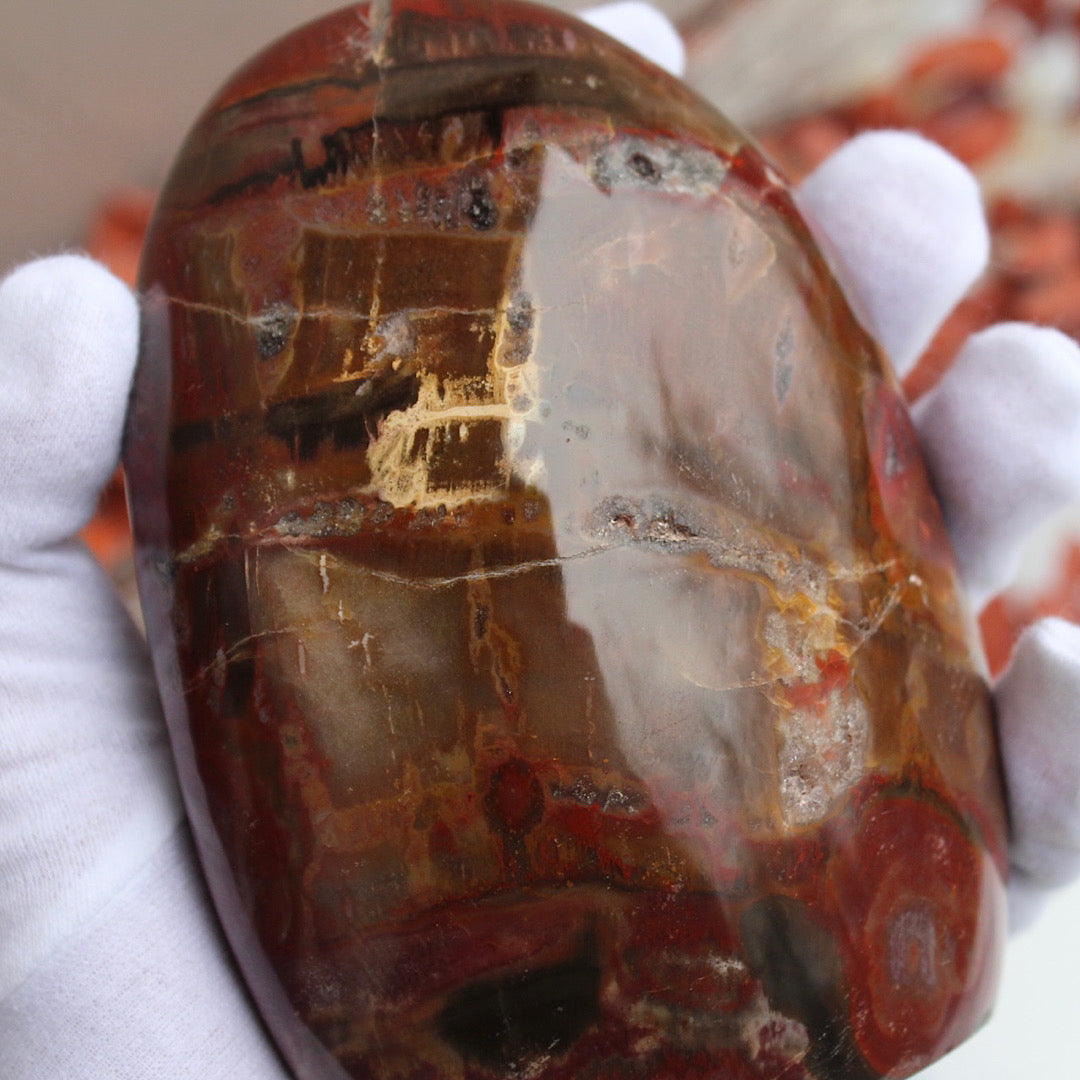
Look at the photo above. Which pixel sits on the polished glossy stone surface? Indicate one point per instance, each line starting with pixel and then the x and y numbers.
pixel 557 632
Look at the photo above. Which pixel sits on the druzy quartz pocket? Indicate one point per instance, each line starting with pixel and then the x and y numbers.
pixel 558 636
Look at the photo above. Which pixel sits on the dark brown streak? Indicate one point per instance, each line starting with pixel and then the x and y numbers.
pixel 348 414
pixel 449 89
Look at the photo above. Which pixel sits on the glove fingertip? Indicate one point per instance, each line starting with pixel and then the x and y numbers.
pixel 1036 700
pixel 903 225
pixel 996 483
pixel 643 28
pixel 70 298
pixel 69 334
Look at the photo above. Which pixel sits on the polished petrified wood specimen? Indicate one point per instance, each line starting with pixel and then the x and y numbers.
pixel 558 635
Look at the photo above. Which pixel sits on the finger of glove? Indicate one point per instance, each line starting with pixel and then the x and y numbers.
pixel 644 29
pixel 1039 728
pixel 68 342
pixel 902 225
pixel 86 783
pixel 1001 438
pixel 143 990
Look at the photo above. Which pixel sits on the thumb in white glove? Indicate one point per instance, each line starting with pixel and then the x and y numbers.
pixel 111 963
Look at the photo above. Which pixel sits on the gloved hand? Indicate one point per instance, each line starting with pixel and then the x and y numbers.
pixel 111 963
pixel 902 224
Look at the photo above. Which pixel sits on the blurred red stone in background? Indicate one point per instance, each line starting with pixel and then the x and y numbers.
pixel 1006 615
pixel 116 233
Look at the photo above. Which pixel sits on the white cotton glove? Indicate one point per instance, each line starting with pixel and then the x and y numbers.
pixel 111 963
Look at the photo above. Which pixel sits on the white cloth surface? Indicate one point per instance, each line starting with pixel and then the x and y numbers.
pixel 105 938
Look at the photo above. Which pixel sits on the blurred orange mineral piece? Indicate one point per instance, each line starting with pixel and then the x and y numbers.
pixel 558 634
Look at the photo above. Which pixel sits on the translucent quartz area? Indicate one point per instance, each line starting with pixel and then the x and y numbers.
pixel 557 632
